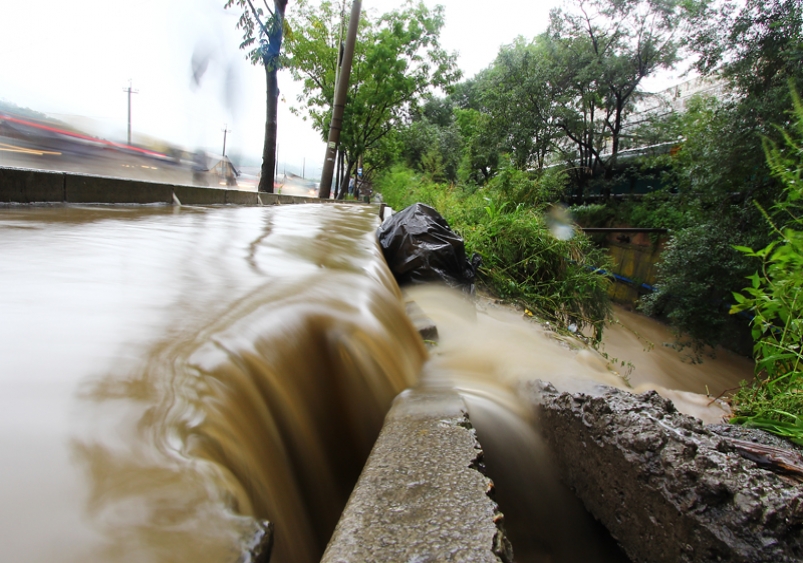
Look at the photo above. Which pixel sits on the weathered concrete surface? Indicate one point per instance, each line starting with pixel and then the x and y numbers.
pixel 753 435
pixel 189 195
pixel 237 197
pixel 30 186
pixel 18 185
pixel 93 189
pixel 665 487
pixel 421 496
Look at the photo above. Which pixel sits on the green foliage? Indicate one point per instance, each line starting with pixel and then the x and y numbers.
pixel 601 51
pixel 699 269
pixel 775 296
pixel 593 214
pixel 516 90
pixel 432 142
pixel 522 260
pixel 720 172
pixel 262 33
pixel 530 188
pixel 481 157
pixel 397 60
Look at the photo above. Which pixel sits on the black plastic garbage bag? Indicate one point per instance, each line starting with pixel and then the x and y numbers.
pixel 420 247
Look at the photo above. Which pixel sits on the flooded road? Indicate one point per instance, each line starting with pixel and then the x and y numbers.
pixel 170 377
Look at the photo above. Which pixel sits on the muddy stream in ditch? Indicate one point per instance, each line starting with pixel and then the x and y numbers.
pixel 171 377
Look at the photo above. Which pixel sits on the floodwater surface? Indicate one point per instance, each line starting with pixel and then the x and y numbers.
pixel 170 378
pixel 487 351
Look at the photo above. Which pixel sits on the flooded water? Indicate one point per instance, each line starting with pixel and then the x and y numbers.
pixel 486 351
pixel 169 378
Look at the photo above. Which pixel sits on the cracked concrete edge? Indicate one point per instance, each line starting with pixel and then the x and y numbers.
pixel 422 496
pixel 665 487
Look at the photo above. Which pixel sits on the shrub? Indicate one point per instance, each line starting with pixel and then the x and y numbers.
pixel 774 401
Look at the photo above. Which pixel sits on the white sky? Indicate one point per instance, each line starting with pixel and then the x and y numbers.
pixel 73 59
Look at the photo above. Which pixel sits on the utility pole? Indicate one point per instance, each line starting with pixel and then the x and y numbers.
pixel 130 91
pixel 225 131
pixel 340 102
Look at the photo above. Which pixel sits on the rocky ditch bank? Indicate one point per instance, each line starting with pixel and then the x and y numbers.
pixel 668 489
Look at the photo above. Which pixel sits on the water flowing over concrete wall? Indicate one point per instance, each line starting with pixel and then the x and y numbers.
pixel 172 376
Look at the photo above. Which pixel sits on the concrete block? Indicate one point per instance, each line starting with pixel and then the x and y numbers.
pixel 667 489
pixel 191 195
pixel 18 185
pixel 421 496
pixel 237 197
pixel 423 324
pixel 268 199
pixel 100 189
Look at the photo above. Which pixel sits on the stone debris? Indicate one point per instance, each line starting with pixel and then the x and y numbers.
pixel 668 489
pixel 422 496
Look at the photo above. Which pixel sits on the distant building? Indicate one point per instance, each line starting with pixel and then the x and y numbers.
pixel 676 98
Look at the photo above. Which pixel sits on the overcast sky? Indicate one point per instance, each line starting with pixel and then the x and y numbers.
pixel 73 59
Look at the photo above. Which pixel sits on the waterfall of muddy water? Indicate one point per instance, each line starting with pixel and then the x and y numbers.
pixel 484 352
pixel 168 378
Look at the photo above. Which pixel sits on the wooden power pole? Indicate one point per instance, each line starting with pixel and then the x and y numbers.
pixel 341 88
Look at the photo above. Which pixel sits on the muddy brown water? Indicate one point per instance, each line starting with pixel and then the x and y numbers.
pixel 169 376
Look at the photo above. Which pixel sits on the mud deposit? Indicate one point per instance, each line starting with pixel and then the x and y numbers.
pixel 668 489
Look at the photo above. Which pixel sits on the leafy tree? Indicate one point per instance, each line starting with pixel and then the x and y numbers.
pixel 720 172
pixel 601 50
pixel 397 61
pixel 266 52
pixel 517 91
pixel 431 142
pixel 481 153
pixel 756 48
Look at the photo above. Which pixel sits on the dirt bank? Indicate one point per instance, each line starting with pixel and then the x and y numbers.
pixel 666 488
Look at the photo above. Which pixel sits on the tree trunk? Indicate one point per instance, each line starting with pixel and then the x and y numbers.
pixel 269 147
pixel 270 59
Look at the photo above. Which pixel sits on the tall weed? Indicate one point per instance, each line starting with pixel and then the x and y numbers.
pixel 505 223
pixel 774 401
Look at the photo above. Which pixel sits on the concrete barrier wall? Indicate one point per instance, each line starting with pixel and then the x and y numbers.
pixel 18 185
pixel 421 495
pixel 31 186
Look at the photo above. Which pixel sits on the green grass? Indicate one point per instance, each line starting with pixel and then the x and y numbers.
pixel 506 223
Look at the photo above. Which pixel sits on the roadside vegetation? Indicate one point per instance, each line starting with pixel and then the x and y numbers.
pixel 507 223
pixel 564 118
pixel 774 401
